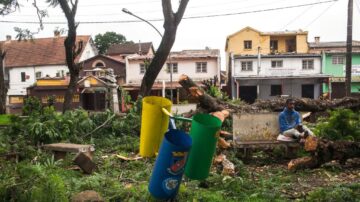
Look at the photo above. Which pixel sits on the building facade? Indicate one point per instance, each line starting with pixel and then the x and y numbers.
pixel 27 61
pixel 264 65
pixel 199 65
pixel 334 61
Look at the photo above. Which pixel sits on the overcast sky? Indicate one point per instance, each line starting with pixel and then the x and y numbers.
pixel 327 20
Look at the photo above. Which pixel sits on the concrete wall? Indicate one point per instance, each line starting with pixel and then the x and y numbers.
pixel 17 87
pixel 187 67
pixel 291 87
pixel 88 52
pixel 291 67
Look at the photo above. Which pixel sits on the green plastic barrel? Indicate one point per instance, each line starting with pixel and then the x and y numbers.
pixel 154 124
pixel 204 133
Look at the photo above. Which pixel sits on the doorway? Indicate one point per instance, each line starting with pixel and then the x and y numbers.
pixel 307 91
pixel 248 93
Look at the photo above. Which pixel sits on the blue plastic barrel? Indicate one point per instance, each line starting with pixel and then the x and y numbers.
pixel 170 164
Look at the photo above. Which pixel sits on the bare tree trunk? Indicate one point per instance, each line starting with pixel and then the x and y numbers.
pixel 171 23
pixel 3 89
pixel 349 49
pixel 71 51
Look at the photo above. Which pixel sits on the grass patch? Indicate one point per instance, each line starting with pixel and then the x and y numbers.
pixel 5 119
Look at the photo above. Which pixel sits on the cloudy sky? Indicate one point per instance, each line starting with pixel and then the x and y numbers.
pixel 206 23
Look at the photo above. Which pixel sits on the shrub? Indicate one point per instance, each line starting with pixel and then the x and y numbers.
pixel 343 124
pixel 32 105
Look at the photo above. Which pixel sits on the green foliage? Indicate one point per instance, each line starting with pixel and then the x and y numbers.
pixel 347 193
pixel 125 97
pixel 104 41
pixel 343 124
pixel 32 106
pixel 5 119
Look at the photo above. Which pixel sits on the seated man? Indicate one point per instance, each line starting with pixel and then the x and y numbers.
pixel 291 128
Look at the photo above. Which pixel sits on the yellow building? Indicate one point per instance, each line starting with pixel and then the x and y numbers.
pixel 266 65
pixel 249 41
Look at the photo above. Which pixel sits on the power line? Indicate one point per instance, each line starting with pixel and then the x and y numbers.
pixel 297 17
pixel 189 8
pixel 187 17
pixel 322 13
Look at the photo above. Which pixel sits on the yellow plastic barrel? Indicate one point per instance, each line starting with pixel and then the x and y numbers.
pixel 154 124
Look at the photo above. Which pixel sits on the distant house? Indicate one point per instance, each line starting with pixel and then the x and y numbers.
pixel 263 65
pixel 97 63
pixel 92 93
pixel 120 51
pixel 28 61
pixel 199 65
pixel 334 61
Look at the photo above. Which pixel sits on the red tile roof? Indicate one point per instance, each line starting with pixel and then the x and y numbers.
pixel 129 48
pixel 37 52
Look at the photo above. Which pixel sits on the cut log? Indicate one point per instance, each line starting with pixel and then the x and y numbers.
pixel 323 151
pixel 85 163
pixel 301 163
pixel 311 144
pixel 206 102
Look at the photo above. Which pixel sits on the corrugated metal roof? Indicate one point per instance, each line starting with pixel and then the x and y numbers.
pixel 294 55
pixel 185 54
pixel 129 48
pixel 332 44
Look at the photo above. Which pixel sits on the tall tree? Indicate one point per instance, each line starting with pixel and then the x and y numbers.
pixel 349 49
pixel 3 89
pixel 171 22
pixel 104 41
pixel 72 50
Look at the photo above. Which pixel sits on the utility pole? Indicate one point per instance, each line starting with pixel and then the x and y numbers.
pixel 349 50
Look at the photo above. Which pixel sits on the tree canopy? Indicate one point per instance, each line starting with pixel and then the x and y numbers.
pixel 103 41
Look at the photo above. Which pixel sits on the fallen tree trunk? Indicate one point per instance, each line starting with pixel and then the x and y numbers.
pixel 210 104
pixel 323 151
pixel 306 104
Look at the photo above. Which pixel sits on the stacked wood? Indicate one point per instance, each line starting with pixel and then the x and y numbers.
pixel 323 151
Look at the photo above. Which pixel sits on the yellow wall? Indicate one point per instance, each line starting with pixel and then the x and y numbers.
pixel 302 45
pixel 235 42
pixel 51 82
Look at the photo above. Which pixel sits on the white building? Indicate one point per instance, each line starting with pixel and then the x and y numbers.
pixel 199 65
pixel 26 61
pixel 268 76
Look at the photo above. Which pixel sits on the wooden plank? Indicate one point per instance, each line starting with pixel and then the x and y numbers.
pixel 264 144
pixel 68 147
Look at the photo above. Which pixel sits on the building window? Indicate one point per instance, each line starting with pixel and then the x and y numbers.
pixel 174 67
pixel 99 64
pixel 338 59
pixel 142 69
pixel 247 44
pixel 201 67
pixel 38 75
pixel 308 64
pixel 275 90
pixel 23 77
pixel 247 66
pixel 273 45
pixel 276 63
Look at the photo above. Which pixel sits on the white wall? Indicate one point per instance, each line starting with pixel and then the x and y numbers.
pixel 291 67
pixel 88 52
pixel 187 67
pixel 17 87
